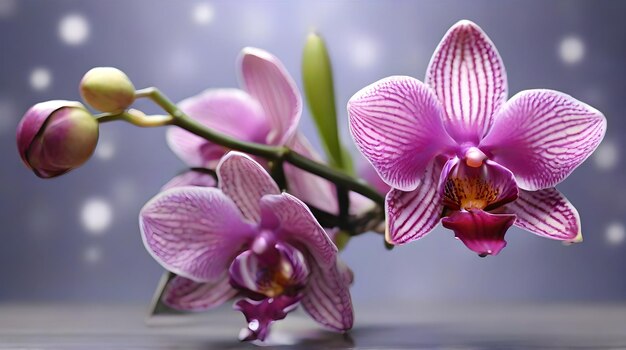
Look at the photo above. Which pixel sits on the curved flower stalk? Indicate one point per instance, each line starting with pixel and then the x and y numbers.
pixel 246 240
pixel 266 110
pixel 454 147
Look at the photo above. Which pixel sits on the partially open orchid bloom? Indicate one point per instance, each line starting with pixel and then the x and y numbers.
pixel 246 240
pixel 266 110
pixel 55 137
pixel 455 147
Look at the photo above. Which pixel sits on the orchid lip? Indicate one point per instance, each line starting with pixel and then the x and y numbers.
pixel 269 269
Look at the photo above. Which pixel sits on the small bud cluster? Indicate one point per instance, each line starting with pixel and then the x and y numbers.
pixel 57 136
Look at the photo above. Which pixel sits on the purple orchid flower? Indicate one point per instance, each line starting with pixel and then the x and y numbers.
pixel 266 110
pixel 248 240
pixel 454 147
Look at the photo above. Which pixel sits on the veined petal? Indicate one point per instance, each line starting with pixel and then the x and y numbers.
pixel 245 182
pixel 412 215
pixel 186 295
pixel 191 178
pixel 479 230
pixel 396 124
pixel 194 232
pixel 245 271
pixel 547 213
pixel 469 78
pixel 327 298
pixel 229 111
pixel 543 135
pixel 266 79
pixel 295 223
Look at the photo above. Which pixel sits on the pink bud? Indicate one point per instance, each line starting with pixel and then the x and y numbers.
pixel 55 137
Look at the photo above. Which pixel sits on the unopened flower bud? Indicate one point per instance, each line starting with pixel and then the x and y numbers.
pixel 55 137
pixel 107 89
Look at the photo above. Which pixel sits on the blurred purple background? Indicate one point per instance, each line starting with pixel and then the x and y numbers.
pixel 76 237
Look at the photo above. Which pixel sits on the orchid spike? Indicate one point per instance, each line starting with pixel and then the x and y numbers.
pixel 246 240
pixel 265 110
pixel 454 147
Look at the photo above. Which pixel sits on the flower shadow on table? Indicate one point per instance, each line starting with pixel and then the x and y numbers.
pixel 419 336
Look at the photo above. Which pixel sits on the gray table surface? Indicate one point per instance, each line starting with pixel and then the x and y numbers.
pixel 383 326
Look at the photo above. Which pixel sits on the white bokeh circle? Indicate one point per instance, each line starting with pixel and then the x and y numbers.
pixel 40 78
pixel 606 155
pixel 364 52
pixel 615 233
pixel 105 150
pixel 92 255
pixel 74 29
pixel 96 215
pixel 8 8
pixel 203 13
pixel 571 49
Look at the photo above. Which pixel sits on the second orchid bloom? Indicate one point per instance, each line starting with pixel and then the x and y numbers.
pixel 246 240
pixel 454 149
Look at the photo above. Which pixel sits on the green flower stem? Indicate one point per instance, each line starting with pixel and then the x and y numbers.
pixel 271 153
pixel 136 117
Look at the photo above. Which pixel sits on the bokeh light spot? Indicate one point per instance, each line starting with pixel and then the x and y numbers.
pixel 96 215
pixel 125 194
pixel 256 23
pixel 615 233
pixel 105 150
pixel 8 115
pixel 365 52
pixel 572 49
pixel 203 13
pixel 40 78
pixel 92 255
pixel 74 29
pixel 7 8
pixel 606 156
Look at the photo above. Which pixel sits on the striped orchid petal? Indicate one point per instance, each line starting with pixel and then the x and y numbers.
pixel 266 79
pixel 294 223
pixel 412 215
pixel 229 111
pixel 186 295
pixel 194 232
pixel 327 297
pixel 245 182
pixel 396 124
pixel 468 76
pixel 542 136
pixel 547 213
